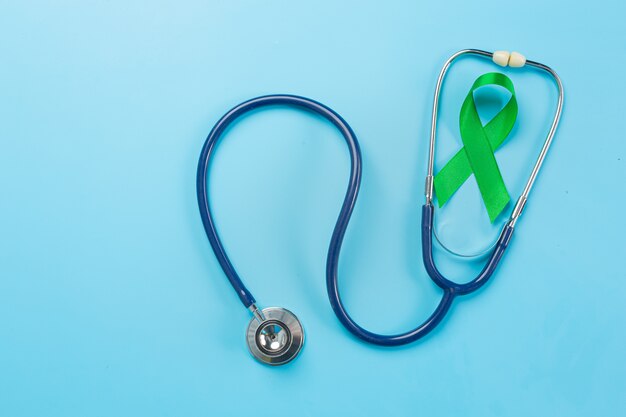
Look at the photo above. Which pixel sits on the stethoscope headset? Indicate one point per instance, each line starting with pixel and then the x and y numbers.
pixel 275 335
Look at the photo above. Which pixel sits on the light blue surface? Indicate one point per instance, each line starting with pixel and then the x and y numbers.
pixel 112 304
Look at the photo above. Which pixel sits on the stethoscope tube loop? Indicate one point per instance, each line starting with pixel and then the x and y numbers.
pixel 208 150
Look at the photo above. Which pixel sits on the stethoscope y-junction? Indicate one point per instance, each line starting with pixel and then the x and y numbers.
pixel 274 335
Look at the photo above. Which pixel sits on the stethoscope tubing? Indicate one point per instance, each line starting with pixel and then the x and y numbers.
pixel 450 289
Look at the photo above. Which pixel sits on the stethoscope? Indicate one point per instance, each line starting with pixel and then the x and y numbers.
pixel 275 335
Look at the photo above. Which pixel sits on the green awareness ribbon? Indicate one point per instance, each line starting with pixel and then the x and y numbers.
pixel 479 144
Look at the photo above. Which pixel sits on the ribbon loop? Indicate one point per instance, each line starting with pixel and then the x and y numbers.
pixel 479 144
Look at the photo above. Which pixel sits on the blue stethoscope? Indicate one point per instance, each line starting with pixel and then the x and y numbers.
pixel 275 336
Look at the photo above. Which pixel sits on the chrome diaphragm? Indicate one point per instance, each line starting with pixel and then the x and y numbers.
pixel 275 335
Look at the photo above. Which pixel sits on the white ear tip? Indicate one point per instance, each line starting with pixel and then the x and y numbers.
pixel 517 60
pixel 501 58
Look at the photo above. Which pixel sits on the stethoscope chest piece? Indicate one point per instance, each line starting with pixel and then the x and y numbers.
pixel 275 336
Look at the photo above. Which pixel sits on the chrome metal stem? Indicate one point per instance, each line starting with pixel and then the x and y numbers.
pixel 433 120
pixel 517 211
pixel 258 314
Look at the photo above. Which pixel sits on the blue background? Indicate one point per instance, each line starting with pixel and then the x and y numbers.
pixel 112 303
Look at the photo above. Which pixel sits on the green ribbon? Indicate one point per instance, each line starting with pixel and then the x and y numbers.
pixel 479 144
